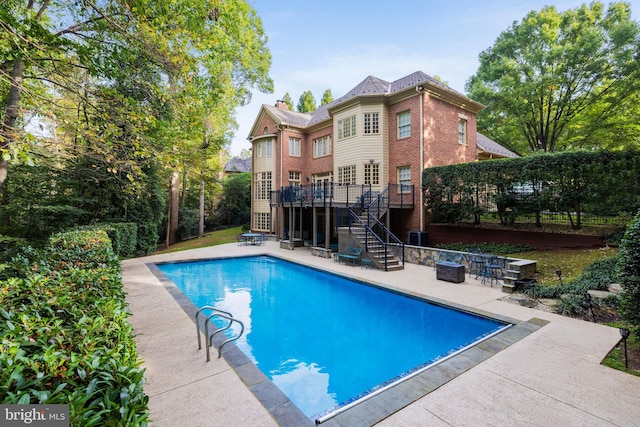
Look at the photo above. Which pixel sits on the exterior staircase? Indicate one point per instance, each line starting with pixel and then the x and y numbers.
pixel 381 256
pixel 373 236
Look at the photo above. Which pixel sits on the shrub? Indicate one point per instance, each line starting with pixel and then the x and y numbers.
pixel 597 276
pixel 188 223
pixel 494 248
pixel 65 336
pixel 572 305
pixel 629 273
pixel 147 237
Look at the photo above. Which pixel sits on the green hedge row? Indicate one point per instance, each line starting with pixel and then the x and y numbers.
pixel 629 267
pixel 603 183
pixel 64 332
pixel 123 236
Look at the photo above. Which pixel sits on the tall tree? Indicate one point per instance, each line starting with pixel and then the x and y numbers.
pixel 214 49
pixel 560 80
pixel 327 97
pixel 306 103
pixel 287 100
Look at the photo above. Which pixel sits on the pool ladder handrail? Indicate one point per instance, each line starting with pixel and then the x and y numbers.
pixel 210 338
pixel 218 313
pixel 203 308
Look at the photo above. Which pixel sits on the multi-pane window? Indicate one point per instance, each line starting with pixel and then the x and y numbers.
pixel 322 146
pixel 371 123
pixel 404 178
pixel 294 179
pixel 347 174
pixel 294 147
pixel 264 148
pixel 262 221
pixel 322 178
pixel 347 127
pixel 262 185
pixel 404 124
pixel 372 173
pixel 462 131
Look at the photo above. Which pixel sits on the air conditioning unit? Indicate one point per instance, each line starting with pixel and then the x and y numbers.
pixel 418 238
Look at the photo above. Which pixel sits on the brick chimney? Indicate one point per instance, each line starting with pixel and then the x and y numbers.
pixel 282 104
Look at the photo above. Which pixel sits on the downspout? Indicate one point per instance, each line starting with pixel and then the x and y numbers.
pixel 420 90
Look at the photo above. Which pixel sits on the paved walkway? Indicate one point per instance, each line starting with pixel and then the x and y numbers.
pixel 550 377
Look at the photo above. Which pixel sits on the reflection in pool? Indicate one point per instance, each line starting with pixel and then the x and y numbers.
pixel 323 339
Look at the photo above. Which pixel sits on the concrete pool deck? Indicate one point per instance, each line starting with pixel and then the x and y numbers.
pixel 550 376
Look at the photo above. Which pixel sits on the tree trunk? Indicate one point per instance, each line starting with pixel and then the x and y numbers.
pixel 201 220
pixel 184 188
pixel 172 218
pixel 7 133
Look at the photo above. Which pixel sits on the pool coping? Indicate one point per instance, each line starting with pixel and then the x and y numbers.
pixel 378 406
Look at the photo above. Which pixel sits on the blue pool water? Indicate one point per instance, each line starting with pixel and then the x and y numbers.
pixel 323 339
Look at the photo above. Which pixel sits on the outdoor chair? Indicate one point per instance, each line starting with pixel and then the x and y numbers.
pixel 491 270
pixel 476 262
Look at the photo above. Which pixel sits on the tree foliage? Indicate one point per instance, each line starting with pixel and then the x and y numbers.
pixel 629 273
pixel 327 97
pixel 287 100
pixel 234 207
pixel 306 103
pixel 123 93
pixel 562 80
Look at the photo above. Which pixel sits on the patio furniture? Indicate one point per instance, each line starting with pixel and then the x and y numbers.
pixel 492 269
pixel 450 271
pixel 350 254
pixel 475 261
pixel 252 238
pixel 366 263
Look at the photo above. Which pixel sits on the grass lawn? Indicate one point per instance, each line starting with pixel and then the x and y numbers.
pixel 571 261
pixel 219 237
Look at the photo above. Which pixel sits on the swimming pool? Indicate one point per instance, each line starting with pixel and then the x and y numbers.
pixel 325 340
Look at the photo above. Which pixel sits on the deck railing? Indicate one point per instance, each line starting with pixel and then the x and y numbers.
pixel 334 194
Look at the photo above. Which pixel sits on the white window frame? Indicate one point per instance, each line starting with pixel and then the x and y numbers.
pixel 294 146
pixel 322 146
pixel 262 221
pixel 347 174
pixel 462 131
pixel 346 127
pixel 264 148
pixel 294 178
pixel 404 179
pixel 372 173
pixel 404 124
pixel 371 123
pixel 262 186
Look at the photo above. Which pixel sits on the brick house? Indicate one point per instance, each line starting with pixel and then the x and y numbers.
pixel 364 149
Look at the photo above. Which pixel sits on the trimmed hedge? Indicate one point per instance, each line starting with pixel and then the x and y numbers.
pixel 629 271
pixel 123 236
pixel 65 336
pixel 605 183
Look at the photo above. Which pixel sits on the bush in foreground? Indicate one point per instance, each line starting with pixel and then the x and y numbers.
pixel 64 333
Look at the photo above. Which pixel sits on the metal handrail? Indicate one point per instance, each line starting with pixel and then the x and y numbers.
pixel 207 307
pixel 370 231
pixel 210 338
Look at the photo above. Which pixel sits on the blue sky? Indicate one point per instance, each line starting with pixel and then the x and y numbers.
pixel 329 44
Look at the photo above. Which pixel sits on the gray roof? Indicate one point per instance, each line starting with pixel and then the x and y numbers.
pixel 370 86
pixel 236 164
pixel 490 146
